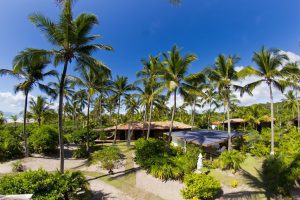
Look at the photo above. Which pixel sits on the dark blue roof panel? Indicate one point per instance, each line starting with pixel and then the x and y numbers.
pixel 206 137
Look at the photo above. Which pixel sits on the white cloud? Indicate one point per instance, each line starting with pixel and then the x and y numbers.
pixel 12 103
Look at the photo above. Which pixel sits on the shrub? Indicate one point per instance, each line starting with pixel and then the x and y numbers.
pixel 44 185
pixel 79 136
pixel 18 166
pixel 211 164
pixel 44 140
pixel 280 174
pixel 10 145
pixel 234 183
pixel 200 186
pixel 231 159
pixel 80 152
pixel 109 157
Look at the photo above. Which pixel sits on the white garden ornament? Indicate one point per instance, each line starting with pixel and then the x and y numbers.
pixel 199 163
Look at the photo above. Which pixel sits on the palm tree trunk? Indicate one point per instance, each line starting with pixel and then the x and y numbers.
pixel 88 124
pixel 272 119
pixel 193 112
pixel 172 120
pixel 129 134
pixel 150 118
pixel 117 121
pixel 39 121
pixel 145 119
pixel 298 111
pixel 100 114
pixel 60 115
pixel 228 123
pixel 24 125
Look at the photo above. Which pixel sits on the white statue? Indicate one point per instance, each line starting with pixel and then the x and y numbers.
pixel 199 163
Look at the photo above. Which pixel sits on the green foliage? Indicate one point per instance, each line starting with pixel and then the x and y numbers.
pixel 10 145
pixel 79 136
pixel 165 163
pixel 44 139
pixel 80 152
pixel 44 185
pixel 200 186
pixel 18 166
pixel 234 183
pixel 109 157
pixel 231 159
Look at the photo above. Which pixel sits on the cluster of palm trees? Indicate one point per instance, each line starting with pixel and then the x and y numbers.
pixel 163 77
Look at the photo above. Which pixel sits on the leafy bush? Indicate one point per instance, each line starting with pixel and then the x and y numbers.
pixel 44 185
pixel 280 174
pixel 109 157
pixel 166 163
pixel 18 166
pixel 10 145
pixel 44 139
pixel 211 164
pixel 200 186
pixel 80 152
pixel 231 159
pixel 234 183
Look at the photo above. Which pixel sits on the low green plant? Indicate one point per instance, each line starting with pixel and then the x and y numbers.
pixel 44 139
pixel 80 152
pixel 18 166
pixel 110 157
pixel 44 185
pixel 10 144
pixel 231 159
pixel 200 186
pixel 234 183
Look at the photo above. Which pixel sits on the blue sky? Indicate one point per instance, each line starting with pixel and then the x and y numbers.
pixel 137 28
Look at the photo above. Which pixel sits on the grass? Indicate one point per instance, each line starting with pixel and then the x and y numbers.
pixel 248 177
pixel 125 182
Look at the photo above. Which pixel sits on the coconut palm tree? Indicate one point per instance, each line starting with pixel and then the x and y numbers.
pixel 290 102
pixel 32 72
pixel 293 76
pixel 39 108
pixel 174 74
pixel 269 71
pixel 210 99
pixel 132 104
pixel 89 79
pixel 72 43
pixel 149 76
pixel 2 118
pixel 120 87
pixel 14 118
pixel 223 74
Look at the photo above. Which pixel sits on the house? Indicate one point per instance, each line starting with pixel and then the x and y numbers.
pixel 139 129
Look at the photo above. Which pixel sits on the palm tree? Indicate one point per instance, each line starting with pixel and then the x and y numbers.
pixel 293 76
pixel 89 79
pixel 132 107
pixel 14 118
pixel 2 118
pixel 121 88
pixel 174 74
pixel 290 102
pixel 72 42
pixel 110 104
pixel 39 108
pixel 31 70
pixel 269 63
pixel 223 74
pixel 210 99
pixel 150 75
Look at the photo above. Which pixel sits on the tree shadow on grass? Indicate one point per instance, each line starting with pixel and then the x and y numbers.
pixel 117 174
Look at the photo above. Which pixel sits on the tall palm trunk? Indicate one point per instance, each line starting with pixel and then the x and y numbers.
pixel 172 120
pixel 39 121
pixel 60 115
pixel 129 134
pixel 88 124
pixel 208 118
pixel 117 121
pixel 24 125
pixel 100 114
pixel 145 119
pixel 272 119
pixel 298 111
pixel 193 112
pixel 150 118
pixel 228 123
